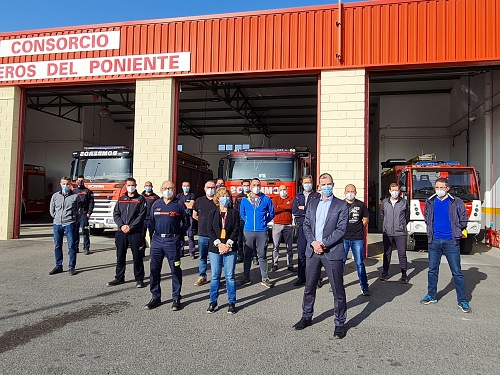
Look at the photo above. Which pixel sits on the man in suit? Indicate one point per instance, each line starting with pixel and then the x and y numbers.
pixel 324 227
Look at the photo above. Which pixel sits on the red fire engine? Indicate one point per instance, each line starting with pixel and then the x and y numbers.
pixel 33 195
pixel 416 179
pixel 273 167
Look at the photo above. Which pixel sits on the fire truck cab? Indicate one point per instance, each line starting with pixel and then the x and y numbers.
pixel 272 166
pixel 416 178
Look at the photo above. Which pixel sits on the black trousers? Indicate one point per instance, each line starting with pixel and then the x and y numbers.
pixel 400 243
pixel 122 241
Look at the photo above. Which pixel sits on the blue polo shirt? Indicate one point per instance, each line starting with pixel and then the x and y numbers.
pixel 442 224
pixel 168 218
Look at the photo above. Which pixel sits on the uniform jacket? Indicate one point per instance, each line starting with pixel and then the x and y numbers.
pixel 131 212
pixel 256 217
pixel 457 214
pixel 334 230
pixel 148 201
pixel 232 227
pixel 300 200
pixel 65 209
pixel 87 198
pixel 395 218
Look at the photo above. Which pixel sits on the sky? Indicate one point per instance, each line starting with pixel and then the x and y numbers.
pixel 23 15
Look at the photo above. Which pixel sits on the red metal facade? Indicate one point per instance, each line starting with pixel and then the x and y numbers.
pixel 385 33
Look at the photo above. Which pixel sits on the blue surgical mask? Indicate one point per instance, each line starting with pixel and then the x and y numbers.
pixel 308 187
pixel 65 188
pixel 148 189
pixel 185 189
pixel 224 201
pixel 246 189
pixel 326 190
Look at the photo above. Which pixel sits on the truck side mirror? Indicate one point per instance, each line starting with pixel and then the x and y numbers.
pixel 403 189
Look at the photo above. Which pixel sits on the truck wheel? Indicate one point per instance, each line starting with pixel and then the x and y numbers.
pixel 410 243
pixel 96 231
pixel 466 245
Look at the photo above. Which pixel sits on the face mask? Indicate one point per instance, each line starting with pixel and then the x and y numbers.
pixel 350 196
pixel 256 190
pixel 246 189
pixel 65 188
pixel 185 189
pixel 168 193
pixel 148 189
pixel 440 193
pixel 210 192
pixel 395 194
pixel 80 184
pixel 283 194
pixel 307 187
pixel 224 201
pixel 131 188
pixel 327 190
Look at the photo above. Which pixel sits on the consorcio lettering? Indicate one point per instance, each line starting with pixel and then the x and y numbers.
pixel 61 43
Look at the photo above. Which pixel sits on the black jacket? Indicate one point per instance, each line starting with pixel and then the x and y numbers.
pixel 87 199
pixel 214 228
pixel 131 212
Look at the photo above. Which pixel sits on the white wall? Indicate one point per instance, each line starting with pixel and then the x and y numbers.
pixel 50 141
pixel 206 148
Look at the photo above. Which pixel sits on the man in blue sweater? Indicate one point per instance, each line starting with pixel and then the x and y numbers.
pixel 446 219
pixel 256 211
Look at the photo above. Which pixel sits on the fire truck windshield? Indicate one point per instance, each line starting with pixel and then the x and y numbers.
pixel 460 181
pixel 103 169
pixel 264 169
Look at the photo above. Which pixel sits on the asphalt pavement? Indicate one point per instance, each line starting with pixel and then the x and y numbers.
pixel 65 324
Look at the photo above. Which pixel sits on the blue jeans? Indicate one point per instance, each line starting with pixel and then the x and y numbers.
pixel 451 250
pixel 59 232
pixel 358 247
pixel 229 262
pixel 203 243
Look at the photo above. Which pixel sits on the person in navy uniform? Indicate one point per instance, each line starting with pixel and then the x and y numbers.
pixel 168 220
pixel 87 201
pixel 325 225
pixel 149 198
pixel 188 199
pixel 129 214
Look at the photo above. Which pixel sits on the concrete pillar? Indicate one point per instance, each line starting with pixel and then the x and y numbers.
pixel 10 98
pixel 342 128
pixel 154 131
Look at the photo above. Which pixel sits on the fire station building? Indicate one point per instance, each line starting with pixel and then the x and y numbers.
pixel 356 83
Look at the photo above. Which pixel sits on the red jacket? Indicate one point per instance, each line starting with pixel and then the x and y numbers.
pixel 283 210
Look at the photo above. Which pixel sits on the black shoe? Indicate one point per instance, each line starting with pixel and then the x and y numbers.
pixel 231 309
pixel 71 272
pixel 239 260
pixel 244 282
pixel 291 269
pixel 212 307
pixel 383 277
pixel 403 279
pixel 140 284
pixel 365 292
pixel 299 282
pixel 274 268
pixel 302 323
pixel 115 282
pixel 176 305
pixel 86 252
pixel 153 304
pixel 56 270
pixel 320 283
pixel 339 332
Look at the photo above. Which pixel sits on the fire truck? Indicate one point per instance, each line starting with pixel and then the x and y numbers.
pixel 416 178
pixel 273 167
pixel 33 192
pixel 106 168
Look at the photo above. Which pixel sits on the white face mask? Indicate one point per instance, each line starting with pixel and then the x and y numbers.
pixel 210 192
pixel 350 196
pixel 168 193
pixel 131 188
pixel 283 193
pixel 395 194
pixel 440 193
pixel 256 190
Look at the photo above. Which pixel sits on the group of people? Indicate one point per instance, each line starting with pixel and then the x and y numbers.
pixel 231 231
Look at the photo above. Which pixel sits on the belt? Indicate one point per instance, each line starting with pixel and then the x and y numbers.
pixel 166 235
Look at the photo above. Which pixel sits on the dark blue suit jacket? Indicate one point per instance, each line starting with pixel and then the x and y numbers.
pixel 333 231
